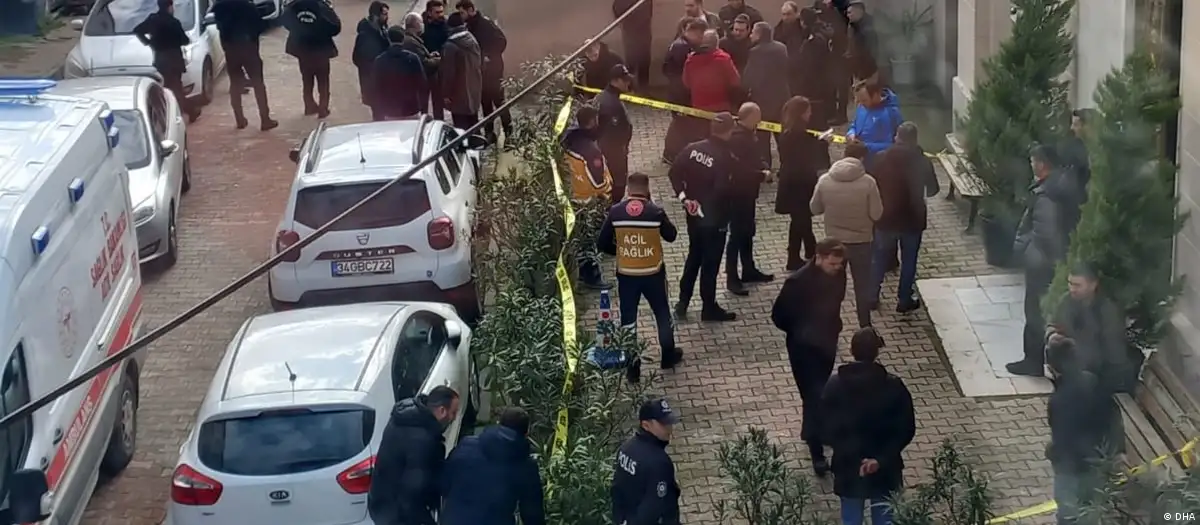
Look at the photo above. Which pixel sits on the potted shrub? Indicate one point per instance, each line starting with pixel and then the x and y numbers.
pixel 909 38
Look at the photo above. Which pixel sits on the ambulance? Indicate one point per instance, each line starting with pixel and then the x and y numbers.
pixel 70 295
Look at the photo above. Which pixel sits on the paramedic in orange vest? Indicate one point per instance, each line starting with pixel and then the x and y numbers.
pixel 589 178
pixel 634 232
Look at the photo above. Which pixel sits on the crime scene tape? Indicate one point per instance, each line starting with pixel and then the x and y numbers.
pixel 567 297
pixel 1186 455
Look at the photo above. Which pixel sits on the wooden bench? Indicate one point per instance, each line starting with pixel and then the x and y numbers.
pixel 962 180
pixel 1160 416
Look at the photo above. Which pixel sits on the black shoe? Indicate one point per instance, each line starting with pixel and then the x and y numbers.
pixel 323 113
pixel 717 314
pixel 793 266
pixel 633 372
pixel 755 276
pixel 820 466
pixel 193 115
pixel 269 124
pixel 241 122
pixel 1025 367
pixel 671 358
pixel 907 306
pixel 681 312
pixel 736 287
pixel 597 284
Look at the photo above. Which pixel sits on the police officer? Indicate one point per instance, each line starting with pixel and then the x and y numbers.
pixel 743 198
pixel 589 178
pixel 164 35
pixel 634 232
pixel 700 175
pixel 240 27
pixel 644 490
pixel 615 130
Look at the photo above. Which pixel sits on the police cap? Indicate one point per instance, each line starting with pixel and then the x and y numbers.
pixel 658 409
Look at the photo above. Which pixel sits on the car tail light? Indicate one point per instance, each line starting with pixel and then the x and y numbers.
pixel 357 479
pixel 441 233
pixel 284 240
pixel 189 487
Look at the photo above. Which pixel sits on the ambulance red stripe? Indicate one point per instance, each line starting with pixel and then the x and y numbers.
pixel 88 409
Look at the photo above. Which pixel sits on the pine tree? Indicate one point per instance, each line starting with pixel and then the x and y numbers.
pixel 1022 100
pixel 1128 226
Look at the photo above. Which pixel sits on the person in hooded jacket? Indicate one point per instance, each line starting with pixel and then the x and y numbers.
pixel 240 27
pixel 683 129
pixel 876 119
pixel 711 76
pixel 311 26
pixel 400 74
pixel 762 85
pixel 489 477
pixel 849 199
pixel 636 37
pixel 370 40
pixel 869 419
pixel 404 485
pixel 461 75
pixel 598 63
pixel 492 44
pixel 802 158
pixel 435 34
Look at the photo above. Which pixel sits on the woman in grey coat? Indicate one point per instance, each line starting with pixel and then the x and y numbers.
pixel 461 73
pixel 761 79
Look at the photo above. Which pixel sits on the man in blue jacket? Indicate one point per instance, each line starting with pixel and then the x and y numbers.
pixel 876 119
pixel 489 476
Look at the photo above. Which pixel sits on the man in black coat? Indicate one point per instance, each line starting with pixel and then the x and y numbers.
pixel 371 40
pixel 490 476
pixel 636 37
pixel 680 131
pixel 869 420
pixel 164 35
pixel 731 11
pixel 492 43
pixel 809 311
pixel 743 197
pixel 404 486
pixel 400 74
pixel 435 34
pixel 598 64
pixel 761 80
pixel 241 26
pixel 311 26
pixel 737 42
pixel 1096 324
pixel 414 42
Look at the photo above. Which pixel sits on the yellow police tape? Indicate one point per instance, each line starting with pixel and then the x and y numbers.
pixel 1186 455
pixel 567 297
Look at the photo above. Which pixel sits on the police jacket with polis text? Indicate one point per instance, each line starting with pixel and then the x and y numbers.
pixel 615 129
pixel 702 172
pixel 634 231
pixel 644 491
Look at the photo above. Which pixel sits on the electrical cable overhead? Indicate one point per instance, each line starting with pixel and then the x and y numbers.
pixel 142 342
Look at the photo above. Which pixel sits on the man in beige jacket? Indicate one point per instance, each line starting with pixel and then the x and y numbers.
pixel 849 199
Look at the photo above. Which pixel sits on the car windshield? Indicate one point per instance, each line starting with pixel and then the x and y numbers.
pixel 134 143
pixel 284 442
pixel 119 17
pixel 401 204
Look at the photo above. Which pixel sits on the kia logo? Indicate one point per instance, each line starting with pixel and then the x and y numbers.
pixel 363 238
pixel 279 495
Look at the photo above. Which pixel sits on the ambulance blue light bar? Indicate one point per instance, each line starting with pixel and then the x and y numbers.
pixel 108 120
pixel 75 189
pixel 25 87
pixel 40 240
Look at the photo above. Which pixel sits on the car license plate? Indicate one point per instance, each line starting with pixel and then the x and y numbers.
pixel 363 267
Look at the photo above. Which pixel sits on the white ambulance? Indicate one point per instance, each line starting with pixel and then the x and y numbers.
pixel 70 295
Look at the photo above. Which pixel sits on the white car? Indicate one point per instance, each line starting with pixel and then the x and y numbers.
pixel 412 243
pixel 154 148
pixel 295 414
pixel 108 46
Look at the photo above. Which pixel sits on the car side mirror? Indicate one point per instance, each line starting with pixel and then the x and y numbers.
pixel 294 154
pixel 208 20
pixel 77 24
pixel 454 332
pixel 27 501
pixel 168 147
pixel 475 142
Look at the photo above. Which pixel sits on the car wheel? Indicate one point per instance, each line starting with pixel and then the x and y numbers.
pixel 186 185
pixel 123 441
pixel 206 83
pixel 172 256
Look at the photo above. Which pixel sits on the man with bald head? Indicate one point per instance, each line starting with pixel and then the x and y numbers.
pixel 711 76
pixel 748 174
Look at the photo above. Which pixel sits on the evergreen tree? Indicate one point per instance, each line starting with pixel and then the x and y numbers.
pixel 1128 226
pixel 1020 101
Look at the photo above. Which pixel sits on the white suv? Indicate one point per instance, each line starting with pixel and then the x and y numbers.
pixel 412 243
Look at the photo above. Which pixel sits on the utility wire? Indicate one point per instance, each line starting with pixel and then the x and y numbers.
pixel 144 341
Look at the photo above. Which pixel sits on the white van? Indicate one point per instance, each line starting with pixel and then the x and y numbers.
pixel 70 295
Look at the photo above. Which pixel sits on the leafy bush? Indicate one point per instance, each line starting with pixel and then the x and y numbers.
pixel 764 488
pixel 957 494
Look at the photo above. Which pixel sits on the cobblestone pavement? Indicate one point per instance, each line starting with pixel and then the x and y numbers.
pixel 735 375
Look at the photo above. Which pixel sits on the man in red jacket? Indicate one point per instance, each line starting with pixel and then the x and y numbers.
pixel 711 76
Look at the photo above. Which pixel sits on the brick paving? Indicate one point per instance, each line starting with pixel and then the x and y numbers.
pixel 736 374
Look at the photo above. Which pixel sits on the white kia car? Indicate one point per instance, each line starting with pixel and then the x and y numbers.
pixel 290 426
pixel 108 46
pixel 412 243
pixel 154 148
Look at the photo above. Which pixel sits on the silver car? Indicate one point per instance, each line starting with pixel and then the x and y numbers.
pixel 154 147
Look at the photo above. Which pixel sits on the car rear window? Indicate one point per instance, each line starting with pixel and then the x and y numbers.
pixel 401 204
pixel 284 442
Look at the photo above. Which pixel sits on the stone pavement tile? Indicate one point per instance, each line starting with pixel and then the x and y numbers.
pixel 37 57
pixel 736 374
